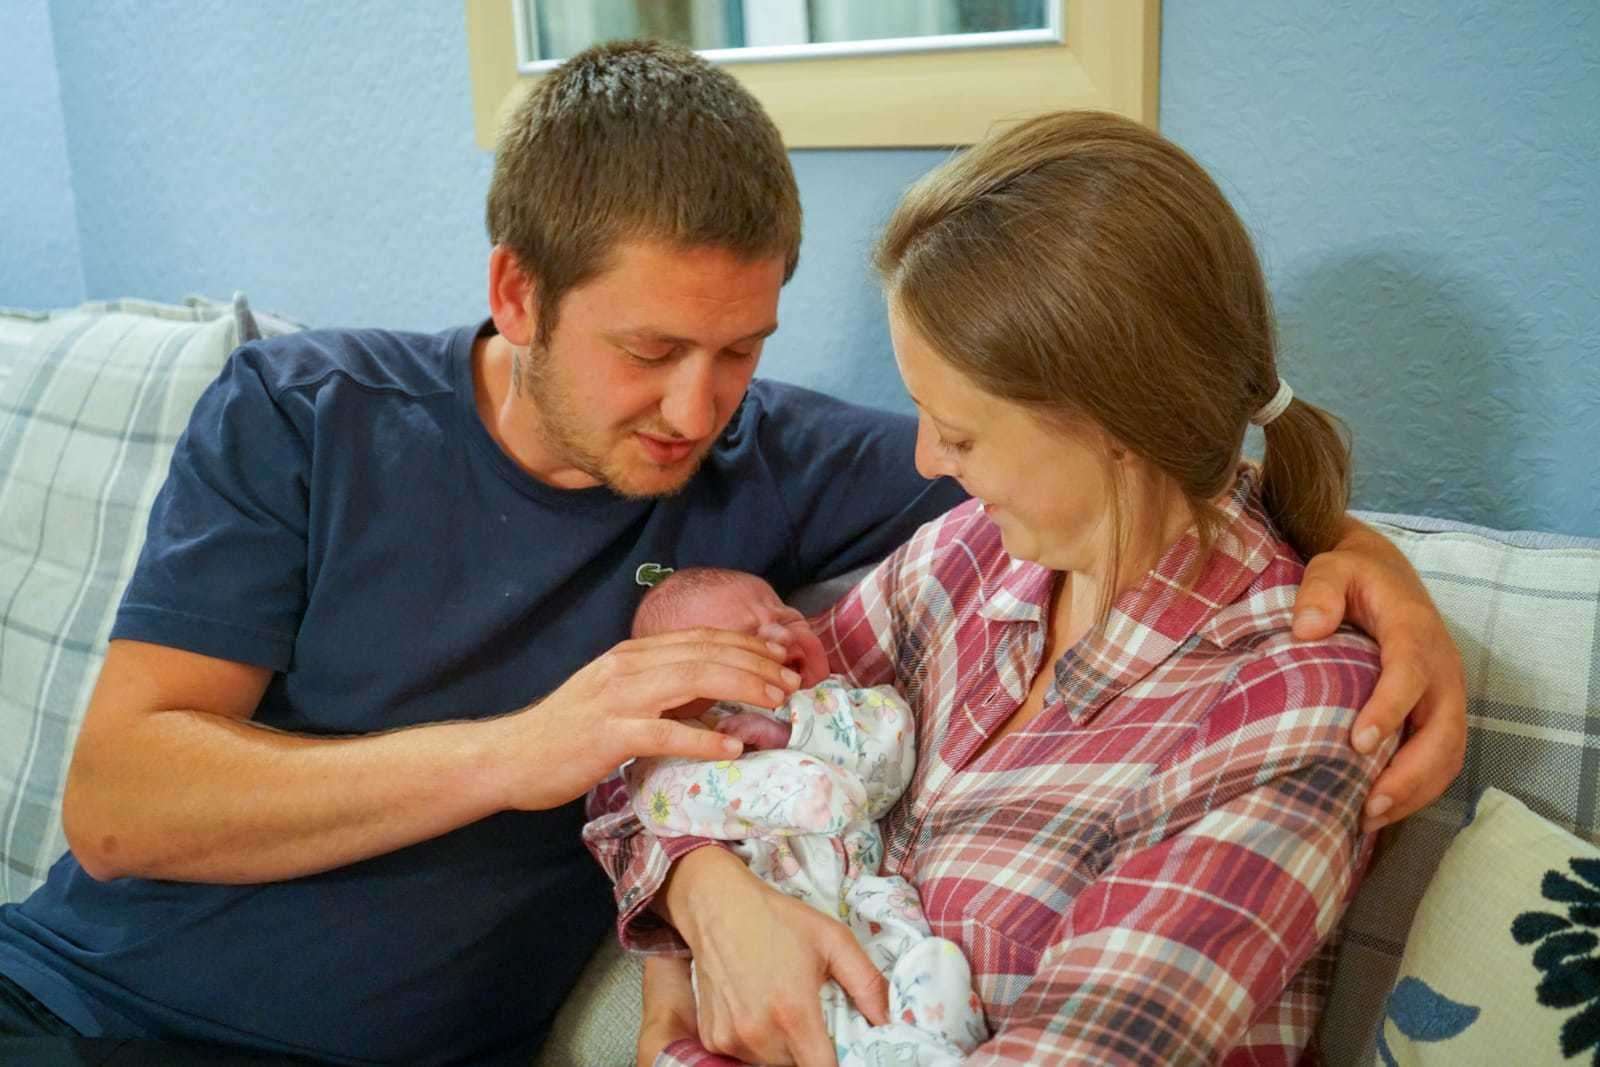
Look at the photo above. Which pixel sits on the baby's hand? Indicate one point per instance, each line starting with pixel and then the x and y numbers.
pixel 756 730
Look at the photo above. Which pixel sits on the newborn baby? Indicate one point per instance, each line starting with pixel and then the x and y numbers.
pixel 801 805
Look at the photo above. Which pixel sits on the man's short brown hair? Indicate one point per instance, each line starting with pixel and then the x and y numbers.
pixel 637 139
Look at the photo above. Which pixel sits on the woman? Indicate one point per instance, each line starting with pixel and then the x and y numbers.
pixel 1135 806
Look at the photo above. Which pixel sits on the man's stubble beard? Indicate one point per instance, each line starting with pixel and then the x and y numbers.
pixel 566 435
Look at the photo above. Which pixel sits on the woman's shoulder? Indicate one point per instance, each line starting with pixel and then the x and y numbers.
pixel 1332 676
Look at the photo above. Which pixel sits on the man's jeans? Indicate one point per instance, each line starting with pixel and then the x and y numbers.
pixel 21 1015
pixel 31 1033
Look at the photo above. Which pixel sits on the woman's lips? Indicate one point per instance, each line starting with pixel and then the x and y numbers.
pixel 666 450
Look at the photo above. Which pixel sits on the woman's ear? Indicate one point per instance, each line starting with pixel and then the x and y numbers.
pixel 1120 454
pixel 511 297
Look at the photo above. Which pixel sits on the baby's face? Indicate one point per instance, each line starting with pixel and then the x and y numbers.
pixel 752 607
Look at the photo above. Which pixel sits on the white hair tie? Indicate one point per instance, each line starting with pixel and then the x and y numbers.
pixel 1274 407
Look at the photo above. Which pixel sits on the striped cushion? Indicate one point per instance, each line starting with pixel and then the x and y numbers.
pixel 1525 611
pixel 16 333
pixel 88 418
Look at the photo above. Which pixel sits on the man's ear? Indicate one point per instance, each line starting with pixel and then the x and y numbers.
pixel 512 296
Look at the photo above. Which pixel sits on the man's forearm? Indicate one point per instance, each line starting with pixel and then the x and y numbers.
pixel 170 778
pixel 192 796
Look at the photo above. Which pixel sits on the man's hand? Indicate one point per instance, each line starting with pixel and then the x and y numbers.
pixel 761 959
pixel 615 709
pixel 1366 581
pixel 668 1013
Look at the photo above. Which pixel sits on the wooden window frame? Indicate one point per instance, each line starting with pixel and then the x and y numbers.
pixel 1109 60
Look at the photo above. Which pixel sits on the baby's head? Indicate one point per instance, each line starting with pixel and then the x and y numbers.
pixel 730 600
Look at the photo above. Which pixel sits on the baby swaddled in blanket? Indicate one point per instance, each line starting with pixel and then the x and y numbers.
pixel 801 808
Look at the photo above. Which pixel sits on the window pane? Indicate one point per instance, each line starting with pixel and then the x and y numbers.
pixel 559 28
pixel 851 20
pixel 565 27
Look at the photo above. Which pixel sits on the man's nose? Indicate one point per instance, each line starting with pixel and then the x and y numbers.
pixel 690 403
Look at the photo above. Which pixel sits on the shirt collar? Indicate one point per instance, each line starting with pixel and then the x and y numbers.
pixel 1022 593
pixel 1150 621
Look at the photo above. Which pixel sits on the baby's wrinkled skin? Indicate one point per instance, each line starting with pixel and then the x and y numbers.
pixel 749 605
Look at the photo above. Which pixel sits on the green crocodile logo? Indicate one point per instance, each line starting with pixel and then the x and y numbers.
pixel 650 574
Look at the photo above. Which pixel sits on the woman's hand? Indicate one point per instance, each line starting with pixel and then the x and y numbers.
pixel 1367 581
pixel 761 958
pixel 668 1013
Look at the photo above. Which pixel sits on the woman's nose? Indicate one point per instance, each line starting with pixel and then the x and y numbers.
pixel 931 462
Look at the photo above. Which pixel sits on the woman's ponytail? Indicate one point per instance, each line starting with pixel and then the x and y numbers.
pixel 1305 476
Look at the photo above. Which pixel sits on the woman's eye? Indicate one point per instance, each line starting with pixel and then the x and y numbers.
pixel 960 448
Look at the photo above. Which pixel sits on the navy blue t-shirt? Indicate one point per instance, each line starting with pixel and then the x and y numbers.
pixel 337 511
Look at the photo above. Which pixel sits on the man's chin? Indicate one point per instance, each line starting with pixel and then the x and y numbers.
pixel 644 481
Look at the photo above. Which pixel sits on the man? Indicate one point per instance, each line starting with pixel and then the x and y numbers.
pixel 325 799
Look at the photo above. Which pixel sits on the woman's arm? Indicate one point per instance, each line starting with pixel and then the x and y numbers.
pixel 638 864
pixel 1366 581
pixel 667 1033
pixel 762 955
pixel 1181 943
pixel 761 958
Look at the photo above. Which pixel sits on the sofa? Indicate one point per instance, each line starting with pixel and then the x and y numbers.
pixel 1472 940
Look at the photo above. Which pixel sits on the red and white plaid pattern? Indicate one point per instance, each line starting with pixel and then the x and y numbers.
pixel 1151 869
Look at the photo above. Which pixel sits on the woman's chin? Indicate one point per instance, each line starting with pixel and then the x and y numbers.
pixel 1021 552
pixel 1020 544
pixel 1024 549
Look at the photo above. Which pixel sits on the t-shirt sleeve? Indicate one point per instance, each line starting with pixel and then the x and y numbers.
pixel 847 480
pixel 223 568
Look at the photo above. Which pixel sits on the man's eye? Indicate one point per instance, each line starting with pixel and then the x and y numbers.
pixel 647 357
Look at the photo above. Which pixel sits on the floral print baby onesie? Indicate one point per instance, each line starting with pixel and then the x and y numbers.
pixel 804 819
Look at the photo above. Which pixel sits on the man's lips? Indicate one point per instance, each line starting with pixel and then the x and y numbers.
pixel 666 450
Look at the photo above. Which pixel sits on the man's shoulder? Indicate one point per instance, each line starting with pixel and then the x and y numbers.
pixel 790 424
pixel 373 360
pixel 785 405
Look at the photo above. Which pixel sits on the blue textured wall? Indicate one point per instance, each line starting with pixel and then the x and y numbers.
pixel 40 264
pixel 319 156
pixel 1425 189
pixel 1423 178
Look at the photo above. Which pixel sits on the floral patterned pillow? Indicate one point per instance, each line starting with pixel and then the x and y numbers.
pixel 1501 964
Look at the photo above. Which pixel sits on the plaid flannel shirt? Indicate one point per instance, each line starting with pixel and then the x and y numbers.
pixel 1150 871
